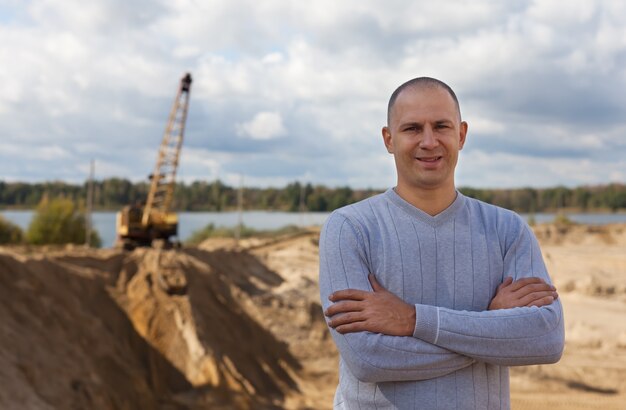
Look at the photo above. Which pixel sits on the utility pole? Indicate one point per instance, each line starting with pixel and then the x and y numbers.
pixel 88 221
pixel 239 211
pixel 302 205
pixel 302 198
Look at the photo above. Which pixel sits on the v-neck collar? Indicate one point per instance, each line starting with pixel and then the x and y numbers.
pixel 417 213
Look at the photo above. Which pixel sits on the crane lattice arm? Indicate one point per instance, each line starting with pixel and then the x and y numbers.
pixel 164 175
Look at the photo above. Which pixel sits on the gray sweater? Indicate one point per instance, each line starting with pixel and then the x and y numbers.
pixel 449 267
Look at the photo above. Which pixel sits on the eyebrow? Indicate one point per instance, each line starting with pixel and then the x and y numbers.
pixel 421 124
pixel 411 124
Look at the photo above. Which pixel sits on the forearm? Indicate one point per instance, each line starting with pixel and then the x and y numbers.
pixel 375 358
pixel 519 336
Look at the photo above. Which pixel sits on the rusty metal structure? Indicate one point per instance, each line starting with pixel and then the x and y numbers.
pixel 154 223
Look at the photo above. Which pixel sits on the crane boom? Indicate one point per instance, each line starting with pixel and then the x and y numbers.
pixel 164 175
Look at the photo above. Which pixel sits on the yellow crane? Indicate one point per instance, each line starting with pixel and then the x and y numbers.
pixel 154 223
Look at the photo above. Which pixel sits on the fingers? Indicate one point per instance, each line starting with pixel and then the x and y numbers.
pixel 531 291
pixel 343 307
pixel 375 285
pixel 355 294
pixel 536 296
pixel 348 294
pixel 542 302
pixel 506 282
pixel 345 319
pixel 352 327
pixel 518 284
pixel 533 288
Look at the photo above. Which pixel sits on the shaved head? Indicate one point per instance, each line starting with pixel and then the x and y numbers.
pixel 420 83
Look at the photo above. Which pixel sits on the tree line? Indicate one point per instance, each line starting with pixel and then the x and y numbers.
pixel 113 193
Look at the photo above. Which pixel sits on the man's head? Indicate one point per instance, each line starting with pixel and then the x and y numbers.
pixel 424 133
pixel 417 83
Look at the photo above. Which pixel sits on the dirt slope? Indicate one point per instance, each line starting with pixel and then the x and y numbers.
pixel 66 343
pixel 148 329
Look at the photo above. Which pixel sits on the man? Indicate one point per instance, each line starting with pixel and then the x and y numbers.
pixel 431 295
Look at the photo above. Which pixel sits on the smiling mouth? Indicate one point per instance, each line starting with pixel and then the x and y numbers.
pixel 429 159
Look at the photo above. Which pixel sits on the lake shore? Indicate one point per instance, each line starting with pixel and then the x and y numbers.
pixel 189 222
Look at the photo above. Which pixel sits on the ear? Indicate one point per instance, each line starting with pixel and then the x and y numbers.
pixel 387 139
pixel 462 134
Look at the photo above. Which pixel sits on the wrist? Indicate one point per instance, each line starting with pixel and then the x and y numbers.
pixel 411 318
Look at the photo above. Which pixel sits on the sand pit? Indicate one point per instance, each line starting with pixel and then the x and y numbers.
pixel 220 326
pixel 155 329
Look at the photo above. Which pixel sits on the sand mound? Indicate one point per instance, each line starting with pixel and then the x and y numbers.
pixel 67 344
pixel 150 329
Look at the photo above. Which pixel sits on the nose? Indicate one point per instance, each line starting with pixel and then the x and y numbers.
pixel 429 139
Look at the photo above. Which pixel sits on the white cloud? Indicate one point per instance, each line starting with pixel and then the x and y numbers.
pixel 265 125
pixel 537 81
pixel 273 58
pixel 33 153
pixel 485 125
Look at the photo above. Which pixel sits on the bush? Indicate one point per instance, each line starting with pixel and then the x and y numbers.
pixel 562 219
pixel 9 232
pixel 58 222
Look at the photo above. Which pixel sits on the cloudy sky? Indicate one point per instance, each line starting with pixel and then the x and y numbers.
pixel 297 90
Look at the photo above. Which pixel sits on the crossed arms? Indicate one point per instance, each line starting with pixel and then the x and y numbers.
pixel 380 311
pixel 382 338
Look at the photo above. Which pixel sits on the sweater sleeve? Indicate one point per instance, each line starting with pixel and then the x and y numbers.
pixel 510 337
pixel 373 357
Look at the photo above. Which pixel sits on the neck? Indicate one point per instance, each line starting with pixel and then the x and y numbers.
pixel 431 201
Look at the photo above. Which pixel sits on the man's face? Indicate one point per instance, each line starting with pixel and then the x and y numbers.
pixel 425 135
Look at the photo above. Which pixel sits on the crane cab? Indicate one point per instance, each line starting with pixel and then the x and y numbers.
pixel 132 232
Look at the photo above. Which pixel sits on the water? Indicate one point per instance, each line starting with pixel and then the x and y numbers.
pixel 188 222
pixel 588 219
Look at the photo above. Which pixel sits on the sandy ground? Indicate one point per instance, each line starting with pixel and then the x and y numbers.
pixel 225 327
pixel 588 266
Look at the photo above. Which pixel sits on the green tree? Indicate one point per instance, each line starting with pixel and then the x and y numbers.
pixel 524 200
pixel 341 196
pixel 317 201
pixel 615 197
pixel 290 197
pixel 9 232
pixel 59 221
pixel 116 191
pixel 215 195
pixel 581 198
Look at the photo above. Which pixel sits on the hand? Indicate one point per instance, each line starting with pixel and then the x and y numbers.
pixel 523 292
pixel 379 311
